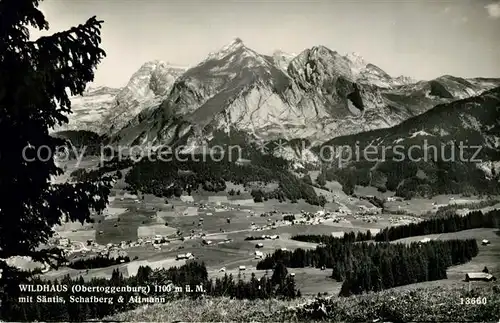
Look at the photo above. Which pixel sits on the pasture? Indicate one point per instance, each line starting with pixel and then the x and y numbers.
pixel 310 281
pixel 155 229
pixel 488 256
pixel 80 235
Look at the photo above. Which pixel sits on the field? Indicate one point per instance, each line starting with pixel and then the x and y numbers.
pixel 80 236
pixel 153 230
pixel 488 256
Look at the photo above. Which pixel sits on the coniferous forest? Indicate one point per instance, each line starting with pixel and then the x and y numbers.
pixel 372 267
pixel 97 262
pixel 364 266
pixel 452 223
pixel 173 177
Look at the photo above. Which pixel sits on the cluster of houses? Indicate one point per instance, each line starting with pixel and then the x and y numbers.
pixel 403 219
pixel 70 247
pixel 364 210
pixel 368 218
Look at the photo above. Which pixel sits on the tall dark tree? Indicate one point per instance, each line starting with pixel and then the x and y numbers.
pixel 279 274
pixel 321 179
pixel 36 79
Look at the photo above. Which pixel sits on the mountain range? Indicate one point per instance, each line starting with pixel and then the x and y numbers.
pixel 316 95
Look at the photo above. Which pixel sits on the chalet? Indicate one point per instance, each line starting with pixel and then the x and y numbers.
pixel 292 274
pixel 479 277
pixel 258 254
pixel 181 256
pixel 259 245
pixel 485 242
pixel 242 268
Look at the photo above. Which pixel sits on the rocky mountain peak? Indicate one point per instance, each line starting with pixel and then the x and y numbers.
pixel 228 49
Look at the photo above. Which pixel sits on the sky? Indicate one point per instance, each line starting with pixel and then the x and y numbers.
pixel 422 39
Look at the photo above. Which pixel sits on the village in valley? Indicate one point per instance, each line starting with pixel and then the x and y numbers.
pixel 231 233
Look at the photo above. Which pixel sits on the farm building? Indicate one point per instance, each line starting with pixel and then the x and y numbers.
pixel 485 242
pixel 479 277
pixel 259 245
pixel 242 268
pixel 187 198
pixel 258 254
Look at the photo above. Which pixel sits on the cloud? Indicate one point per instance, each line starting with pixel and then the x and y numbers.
pixel 493 10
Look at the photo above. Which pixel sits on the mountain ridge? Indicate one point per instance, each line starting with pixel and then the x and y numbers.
pixel 320 95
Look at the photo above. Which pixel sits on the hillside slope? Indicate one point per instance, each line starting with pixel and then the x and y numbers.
pixel 437 304
pixel 444 150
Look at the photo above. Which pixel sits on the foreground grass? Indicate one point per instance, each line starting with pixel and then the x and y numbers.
pixel 436 304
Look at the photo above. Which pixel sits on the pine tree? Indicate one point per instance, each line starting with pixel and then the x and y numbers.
pixel 279 274
pixel 34 79
pixel 321 179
